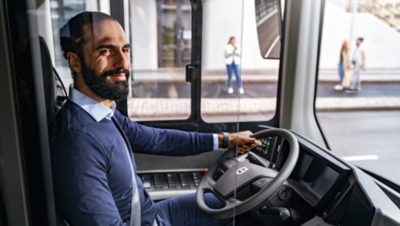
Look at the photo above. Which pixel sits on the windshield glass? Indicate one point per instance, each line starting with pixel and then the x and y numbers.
pixel 358 96
pixel 232 67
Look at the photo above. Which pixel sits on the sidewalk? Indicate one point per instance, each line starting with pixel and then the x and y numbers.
pixel 164 108
pixel 325 75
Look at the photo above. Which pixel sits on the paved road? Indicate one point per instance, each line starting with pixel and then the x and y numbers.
pixel 368 139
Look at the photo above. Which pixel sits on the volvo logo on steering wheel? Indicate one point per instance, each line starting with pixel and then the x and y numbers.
pixel 241 170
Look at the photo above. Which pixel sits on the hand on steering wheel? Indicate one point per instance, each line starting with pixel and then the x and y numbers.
pixel 240 172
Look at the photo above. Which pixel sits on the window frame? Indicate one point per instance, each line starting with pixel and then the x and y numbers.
pixel 195 122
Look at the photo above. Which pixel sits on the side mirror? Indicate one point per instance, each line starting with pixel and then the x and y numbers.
pixel 268 19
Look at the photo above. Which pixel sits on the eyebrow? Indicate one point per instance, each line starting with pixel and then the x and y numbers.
pixel 109 46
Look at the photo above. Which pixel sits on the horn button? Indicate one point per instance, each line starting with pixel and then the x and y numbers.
pixel 237 177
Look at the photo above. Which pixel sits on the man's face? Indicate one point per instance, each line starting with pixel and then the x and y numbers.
pixel 105 60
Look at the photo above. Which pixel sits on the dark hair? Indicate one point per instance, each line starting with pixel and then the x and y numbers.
pixel 361 39
pixel 71 34
pixel 230 39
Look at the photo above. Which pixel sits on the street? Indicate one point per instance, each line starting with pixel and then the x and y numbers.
pixel 369 139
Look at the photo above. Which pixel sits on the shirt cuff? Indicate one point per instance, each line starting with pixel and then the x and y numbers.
pixel 215 142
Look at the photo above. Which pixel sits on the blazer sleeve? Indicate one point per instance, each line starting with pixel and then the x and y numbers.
pixel 144 139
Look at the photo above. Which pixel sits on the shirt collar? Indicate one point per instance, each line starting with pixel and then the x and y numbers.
pixel 95 109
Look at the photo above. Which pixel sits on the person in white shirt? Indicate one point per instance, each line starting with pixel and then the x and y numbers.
pixel 232 61
pixel 358 62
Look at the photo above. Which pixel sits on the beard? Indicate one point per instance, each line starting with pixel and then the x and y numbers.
pixel 103 87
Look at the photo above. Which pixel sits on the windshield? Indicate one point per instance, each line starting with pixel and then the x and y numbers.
pixel 358 96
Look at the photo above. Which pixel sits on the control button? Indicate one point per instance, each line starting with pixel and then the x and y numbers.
pixel 172 180
pixel 263 209
pixel 146 184
pixel 185 180
pixel 284 194
pixel 158 181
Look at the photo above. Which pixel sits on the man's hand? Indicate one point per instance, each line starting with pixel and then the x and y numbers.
pixel 241 140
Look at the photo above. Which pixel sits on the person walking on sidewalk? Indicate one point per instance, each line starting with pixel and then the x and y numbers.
pixel 344 67
pixel 232 61
pixel 358 62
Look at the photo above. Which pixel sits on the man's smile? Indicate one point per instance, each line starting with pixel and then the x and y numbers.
pixel 119 77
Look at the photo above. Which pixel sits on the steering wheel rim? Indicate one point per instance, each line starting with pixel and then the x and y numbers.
pixel 234 206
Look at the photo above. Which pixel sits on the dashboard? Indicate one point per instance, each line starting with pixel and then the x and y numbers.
pixel 316 172
pixel 321 186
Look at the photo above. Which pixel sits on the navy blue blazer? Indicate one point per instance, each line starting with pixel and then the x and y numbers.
pixel 92 176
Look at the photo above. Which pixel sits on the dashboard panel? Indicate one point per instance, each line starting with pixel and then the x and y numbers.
pixel 162 185
pixel 316 173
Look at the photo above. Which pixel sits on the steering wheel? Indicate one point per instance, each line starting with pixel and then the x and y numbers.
pixel 241 172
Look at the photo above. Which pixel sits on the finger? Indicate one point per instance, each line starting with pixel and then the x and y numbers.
pixel 242 151
pixel 250 145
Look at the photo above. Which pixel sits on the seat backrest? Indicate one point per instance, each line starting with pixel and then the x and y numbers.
pixel 55 92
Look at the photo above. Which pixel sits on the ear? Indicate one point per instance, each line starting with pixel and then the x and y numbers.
pixel 74 63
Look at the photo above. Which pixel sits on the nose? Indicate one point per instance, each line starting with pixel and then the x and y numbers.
pixel 121 60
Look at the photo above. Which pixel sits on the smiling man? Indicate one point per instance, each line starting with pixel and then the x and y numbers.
pixel 94 171
pixel 100 54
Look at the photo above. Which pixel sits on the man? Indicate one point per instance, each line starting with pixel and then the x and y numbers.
pixel 358 62
pixel 94 172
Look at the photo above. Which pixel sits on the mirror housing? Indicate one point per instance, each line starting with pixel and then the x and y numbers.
pixel 268 21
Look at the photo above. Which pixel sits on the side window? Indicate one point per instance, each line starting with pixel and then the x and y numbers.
pixel 161 41
pixel 358 96
pixel 61 12
pixel 160 37
pixel 237 83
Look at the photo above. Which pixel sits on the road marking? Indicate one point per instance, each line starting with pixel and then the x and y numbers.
pixel 272 46
pixel 360 158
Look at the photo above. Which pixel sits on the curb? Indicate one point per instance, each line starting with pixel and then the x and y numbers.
pixel 157 108
pixel 326 78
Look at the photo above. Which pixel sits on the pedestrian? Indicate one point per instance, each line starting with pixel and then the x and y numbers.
pixel 94 172
pixel 358 62
pixel 344 67
pixel 232 61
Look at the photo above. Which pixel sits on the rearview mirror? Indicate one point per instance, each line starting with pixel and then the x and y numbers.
pixel 268 19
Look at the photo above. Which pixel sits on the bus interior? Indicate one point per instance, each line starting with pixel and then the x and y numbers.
pixel 178 80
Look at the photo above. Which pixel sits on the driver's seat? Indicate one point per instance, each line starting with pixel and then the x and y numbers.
pixel 55 94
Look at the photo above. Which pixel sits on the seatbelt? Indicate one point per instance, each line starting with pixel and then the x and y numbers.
pixel 135 219
pixel 135 206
